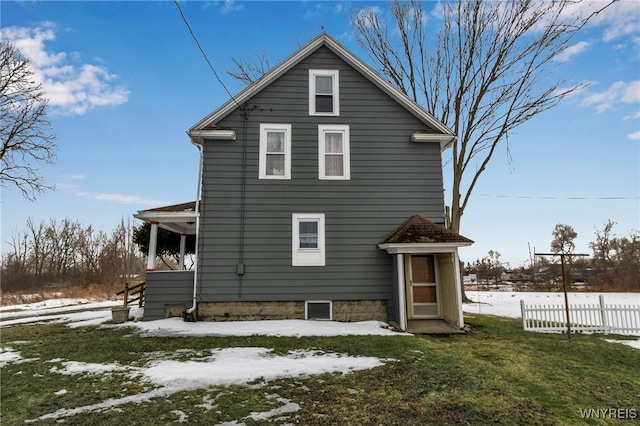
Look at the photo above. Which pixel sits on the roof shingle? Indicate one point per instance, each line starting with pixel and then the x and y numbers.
pixel 420 230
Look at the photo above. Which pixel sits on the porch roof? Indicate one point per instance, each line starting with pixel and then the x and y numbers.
pixel 421 234
pixel 178 218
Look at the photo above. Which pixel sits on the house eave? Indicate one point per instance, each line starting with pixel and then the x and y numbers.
pixel 415 248
pixel 198 136
pixel 445 140
pixel 178 222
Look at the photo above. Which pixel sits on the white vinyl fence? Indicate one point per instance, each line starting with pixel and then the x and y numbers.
pixel 601 318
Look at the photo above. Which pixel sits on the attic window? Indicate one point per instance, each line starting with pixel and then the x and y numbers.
pixel 318 310
pixel 324 92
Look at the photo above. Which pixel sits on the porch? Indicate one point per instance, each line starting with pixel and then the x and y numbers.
pixel 427 278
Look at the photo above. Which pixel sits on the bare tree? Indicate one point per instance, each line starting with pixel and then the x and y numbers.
pixel 563 236
pixel 24 130
pixel 248 72
pixel 486 72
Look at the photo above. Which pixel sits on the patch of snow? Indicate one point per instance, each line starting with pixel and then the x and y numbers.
pixel 633 343
pixel 8 355
pixel 286 408
pixel 72 368
pixel 222 367
pixel 61 392
pixel 182 416
pixel 278 328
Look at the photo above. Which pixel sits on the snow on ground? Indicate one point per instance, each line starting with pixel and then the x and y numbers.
pixel 507 304
pixel 168 373
pixel 218 367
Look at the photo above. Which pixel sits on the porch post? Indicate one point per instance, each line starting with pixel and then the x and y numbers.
pixel 401 291
pixel 458 279
pixel 153 243
pixel 183 244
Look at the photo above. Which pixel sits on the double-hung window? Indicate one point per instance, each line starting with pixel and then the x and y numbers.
pixel 333 152
pixel 324 93
pixel 275 151
pixel 308 245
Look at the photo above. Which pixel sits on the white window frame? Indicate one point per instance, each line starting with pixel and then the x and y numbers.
pixel 262 167
pixel 306 310
pixel 323 129
pixel 335 77
pixel 307 256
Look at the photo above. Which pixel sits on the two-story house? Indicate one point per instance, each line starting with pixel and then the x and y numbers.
pixel 321 198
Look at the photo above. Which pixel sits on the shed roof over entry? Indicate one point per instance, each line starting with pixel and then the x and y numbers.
pixel 421 233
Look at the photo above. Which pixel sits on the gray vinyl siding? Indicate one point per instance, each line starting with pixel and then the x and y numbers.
pixel 391 180
pixel 166 288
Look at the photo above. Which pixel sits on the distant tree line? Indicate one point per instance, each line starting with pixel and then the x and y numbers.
pixel 614 264
pixel 66 253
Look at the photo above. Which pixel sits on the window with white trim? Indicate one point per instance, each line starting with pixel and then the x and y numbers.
pixel 307 245
pixel 333 152
pixel 275 151
pixel 324 93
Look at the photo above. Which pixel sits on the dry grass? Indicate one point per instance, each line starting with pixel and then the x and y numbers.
pixel 91 292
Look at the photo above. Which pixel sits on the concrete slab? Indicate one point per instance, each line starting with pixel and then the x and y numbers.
pixel 432 326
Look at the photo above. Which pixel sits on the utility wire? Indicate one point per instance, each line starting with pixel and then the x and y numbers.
pixel 184 18
pixel 558 198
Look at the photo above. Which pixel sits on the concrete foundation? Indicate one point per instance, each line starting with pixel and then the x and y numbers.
pixel 343 310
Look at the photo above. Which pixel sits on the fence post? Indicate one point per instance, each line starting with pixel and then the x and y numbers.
pixel 524 321
pixel 603 313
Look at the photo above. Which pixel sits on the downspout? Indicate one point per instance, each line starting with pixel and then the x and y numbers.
pixel 240 267
pixel 190 313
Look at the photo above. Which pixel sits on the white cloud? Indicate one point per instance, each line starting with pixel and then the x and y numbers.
pixel 571 51
pixel 618 92
pixel 619 19
pixel 72 89
pixel 121 198
pixel 631 117
pixel 634 136
pixel 231 6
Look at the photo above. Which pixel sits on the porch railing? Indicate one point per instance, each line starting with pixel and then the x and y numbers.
pixel 133 292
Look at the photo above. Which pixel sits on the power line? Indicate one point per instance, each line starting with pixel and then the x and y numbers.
pixel 184 18
pixel 527 197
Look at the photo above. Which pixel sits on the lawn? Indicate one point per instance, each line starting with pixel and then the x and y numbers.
pixel 495 374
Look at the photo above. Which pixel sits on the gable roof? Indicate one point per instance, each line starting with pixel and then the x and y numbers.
pixel 418 230
pixel 324 39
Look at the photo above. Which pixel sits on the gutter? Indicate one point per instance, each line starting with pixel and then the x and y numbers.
pixel 189 314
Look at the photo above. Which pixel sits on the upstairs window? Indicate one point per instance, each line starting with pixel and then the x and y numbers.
pixel 333 152
pixel 324 92
pixel 275 151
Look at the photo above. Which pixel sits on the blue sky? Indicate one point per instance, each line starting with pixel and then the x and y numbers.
pixel 125 81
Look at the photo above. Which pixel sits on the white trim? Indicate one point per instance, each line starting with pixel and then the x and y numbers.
pixel 323 40
pixel 445 140
pixel 306 310
pixel 456 275
pixel 262 167
pixel 402 299
pixel 323 129
pixel 307 256
pixel 422 248
pixel 335 86
pixel 218 134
